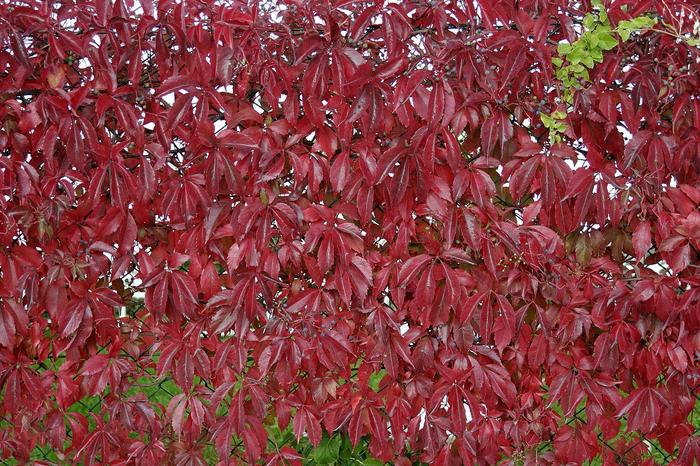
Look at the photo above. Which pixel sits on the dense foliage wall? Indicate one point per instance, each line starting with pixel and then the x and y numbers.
pixel 305 232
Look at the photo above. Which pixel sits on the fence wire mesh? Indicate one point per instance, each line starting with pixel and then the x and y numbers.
pixel 625 449
pixel 630 449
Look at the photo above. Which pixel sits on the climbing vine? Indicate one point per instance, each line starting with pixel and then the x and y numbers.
pixel 575 59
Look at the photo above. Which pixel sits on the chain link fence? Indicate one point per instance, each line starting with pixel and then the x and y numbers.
pixel 625 449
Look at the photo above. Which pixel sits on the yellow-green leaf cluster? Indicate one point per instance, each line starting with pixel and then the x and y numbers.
pixel 556 125
pixel 577 58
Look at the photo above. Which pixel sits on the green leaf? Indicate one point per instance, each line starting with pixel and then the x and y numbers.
pixel 346 449
pixel 375 379
pixel 592 39
pixel 372 462
pixel 643 22
pixel 328 451
pixel 575 57
pixel 625 24
pixel 606 40
pixel 564 48
pixel 625 33
pixel 626 27
pixel 547 121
